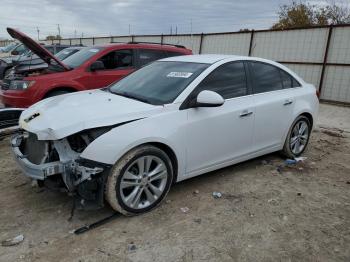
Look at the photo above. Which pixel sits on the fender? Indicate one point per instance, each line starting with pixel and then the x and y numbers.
pixel 168 129
pixel 73 85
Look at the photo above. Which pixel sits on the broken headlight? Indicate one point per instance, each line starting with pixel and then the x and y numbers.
pixel 20 84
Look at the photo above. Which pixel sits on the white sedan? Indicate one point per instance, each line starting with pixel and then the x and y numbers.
pixel 171 120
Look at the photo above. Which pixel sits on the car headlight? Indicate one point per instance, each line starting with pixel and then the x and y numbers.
pixel 20 84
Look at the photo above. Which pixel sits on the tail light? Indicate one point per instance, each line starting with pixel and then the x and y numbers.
pixel 318 94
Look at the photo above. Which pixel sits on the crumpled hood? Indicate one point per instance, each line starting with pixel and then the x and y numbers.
pixel 58 117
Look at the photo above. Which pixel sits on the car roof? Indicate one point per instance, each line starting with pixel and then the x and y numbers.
pixel 204 59
pixel 74 47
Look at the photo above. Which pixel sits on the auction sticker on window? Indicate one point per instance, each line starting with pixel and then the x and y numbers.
pixel 180 74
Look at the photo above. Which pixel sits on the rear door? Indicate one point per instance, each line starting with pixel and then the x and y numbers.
pixel 217 135
pixel 117 63
pixel 273 104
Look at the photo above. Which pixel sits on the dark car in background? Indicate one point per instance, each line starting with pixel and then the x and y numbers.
pixel 9 47
pixel 31 60
pixel 14 50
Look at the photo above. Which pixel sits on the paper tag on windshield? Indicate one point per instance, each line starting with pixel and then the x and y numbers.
pixel 94 50
pixel 180 74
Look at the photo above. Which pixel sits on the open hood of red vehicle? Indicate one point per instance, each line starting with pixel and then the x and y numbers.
pixel 35 47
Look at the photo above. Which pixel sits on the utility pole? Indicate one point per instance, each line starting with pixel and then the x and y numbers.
pixel 176 30
pixel 171 30
pixel 38 31
pixel 129 29
pixel 59 29
pixel 191 26
pixel 191 34
pixel 75 33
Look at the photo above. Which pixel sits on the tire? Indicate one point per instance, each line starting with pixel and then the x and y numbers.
pixel 57 93
pixel 295 138
pixel 126 180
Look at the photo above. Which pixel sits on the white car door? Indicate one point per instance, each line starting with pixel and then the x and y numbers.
pixel 218 135
pixel 273 104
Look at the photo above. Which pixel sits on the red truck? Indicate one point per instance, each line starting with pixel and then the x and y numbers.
pixel 90 68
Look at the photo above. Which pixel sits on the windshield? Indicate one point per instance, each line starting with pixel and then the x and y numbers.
pixel 65 53
pixel 158 83
pixel 82 56
pixel 9 47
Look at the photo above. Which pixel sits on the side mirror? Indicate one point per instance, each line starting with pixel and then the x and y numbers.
pixel 97 65
pixel 208 98
pixel 14 52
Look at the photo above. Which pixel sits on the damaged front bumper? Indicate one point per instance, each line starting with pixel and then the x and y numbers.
pixel 44 170
pixel 56 165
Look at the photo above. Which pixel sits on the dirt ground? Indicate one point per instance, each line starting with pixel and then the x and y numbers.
pixel 267 212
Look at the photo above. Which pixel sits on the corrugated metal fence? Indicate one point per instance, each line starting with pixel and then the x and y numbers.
pixel 320 55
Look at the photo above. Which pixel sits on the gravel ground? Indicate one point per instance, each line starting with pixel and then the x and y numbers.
pixel 267 212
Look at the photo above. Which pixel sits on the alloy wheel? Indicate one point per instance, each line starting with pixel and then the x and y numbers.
pixel 299 137
pixel 143 182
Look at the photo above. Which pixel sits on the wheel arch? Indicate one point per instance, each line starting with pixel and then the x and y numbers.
pixel 171 154
pixel 62 88
pixel 163 146
pixel 308 116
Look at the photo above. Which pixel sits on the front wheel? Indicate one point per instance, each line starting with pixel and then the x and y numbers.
pixel 139 181
pixel 297 138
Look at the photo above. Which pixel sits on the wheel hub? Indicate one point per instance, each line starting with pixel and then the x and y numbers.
pixel 144 181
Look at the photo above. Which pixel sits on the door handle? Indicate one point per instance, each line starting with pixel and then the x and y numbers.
pixel 288 102
pixel 246 113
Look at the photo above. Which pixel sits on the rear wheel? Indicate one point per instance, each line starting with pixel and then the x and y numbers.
pixel 139 181
pixel 298 137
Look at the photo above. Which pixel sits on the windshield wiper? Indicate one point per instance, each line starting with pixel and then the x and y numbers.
pixel 128 95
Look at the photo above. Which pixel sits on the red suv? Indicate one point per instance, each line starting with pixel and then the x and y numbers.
pixel 90 68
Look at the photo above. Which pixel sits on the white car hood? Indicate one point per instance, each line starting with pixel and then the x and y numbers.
pixel 61 116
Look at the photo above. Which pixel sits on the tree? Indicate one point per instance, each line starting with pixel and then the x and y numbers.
pixel 301 14
pixel 53 37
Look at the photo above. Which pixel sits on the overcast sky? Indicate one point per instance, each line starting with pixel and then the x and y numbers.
pixel 114 17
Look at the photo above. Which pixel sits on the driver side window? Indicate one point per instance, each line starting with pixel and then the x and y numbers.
pixel 228 80
pixel 120 59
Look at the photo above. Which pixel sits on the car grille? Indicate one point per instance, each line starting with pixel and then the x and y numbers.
pixel 35 150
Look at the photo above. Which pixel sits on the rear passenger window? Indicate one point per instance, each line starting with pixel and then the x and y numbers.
pixel 288 81
pixel 147 56
pixel 265 77
pixel 228 80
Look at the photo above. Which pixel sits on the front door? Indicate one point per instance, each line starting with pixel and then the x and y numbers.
pixel 117 64
pixel 218 135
